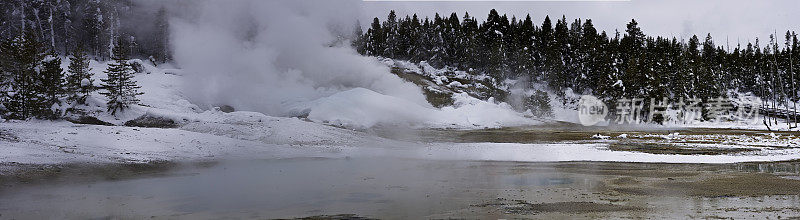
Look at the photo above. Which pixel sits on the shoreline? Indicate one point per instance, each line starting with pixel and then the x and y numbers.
pixel 17 173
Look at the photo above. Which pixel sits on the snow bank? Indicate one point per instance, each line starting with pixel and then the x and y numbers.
pixel 468 111
pixel 47 142
pixel 364 108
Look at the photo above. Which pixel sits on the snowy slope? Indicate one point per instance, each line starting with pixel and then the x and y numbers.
pixel 203 134
pixel 61 142
pixel 475 86
pixel 354 108
pixel 363 108
pixel 162 94
pixel 210 134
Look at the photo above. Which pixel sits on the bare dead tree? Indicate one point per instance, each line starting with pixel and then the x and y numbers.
pixel 764 101
pixel 780 80
pixel 772 90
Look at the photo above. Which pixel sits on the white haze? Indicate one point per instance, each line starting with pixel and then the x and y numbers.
pixel 281 58
pixel 270 56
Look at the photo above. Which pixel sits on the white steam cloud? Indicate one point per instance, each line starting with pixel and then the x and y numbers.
pixel 270 56
pixel 276 57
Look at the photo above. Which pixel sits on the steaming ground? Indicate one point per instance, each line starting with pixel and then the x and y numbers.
pixel 273 56
pixel 366 142
pixel 210 134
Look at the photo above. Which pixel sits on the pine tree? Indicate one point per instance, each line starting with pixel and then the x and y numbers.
pixel 492 40
pixel 707 75
pixel 375 39
pixel 632 53
pixel 390 34
pixel 579 57
pixel 6 74
pixel 425 43
pixel 590 56
pixel 469 44
pixel 52 85
pixel 79 80
pixel 525 47
pixel 439 52
pixel 92 27
pixel 403 38
pixel 23 57
pixel 121 89
pixel 358 39
pixel 558 60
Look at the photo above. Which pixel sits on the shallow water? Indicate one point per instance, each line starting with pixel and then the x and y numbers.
pixel 388 188
pixel 277 188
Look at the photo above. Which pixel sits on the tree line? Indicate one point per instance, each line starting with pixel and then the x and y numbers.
pixel 95 25
pixel 36 34
pixel 575 55
pixel 34 85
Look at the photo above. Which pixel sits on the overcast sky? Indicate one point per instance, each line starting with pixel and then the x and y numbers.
pixel 736 20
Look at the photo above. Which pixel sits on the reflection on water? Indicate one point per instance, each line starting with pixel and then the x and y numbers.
pixel 529 180
pixel 282 188
pixel 780 168
pixel 379 187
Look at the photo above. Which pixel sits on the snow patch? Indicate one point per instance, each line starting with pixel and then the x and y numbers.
pixel 364 108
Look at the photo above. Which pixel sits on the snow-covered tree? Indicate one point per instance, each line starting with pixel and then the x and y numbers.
pixel 121 89
pixel 22 63
pixel 52 85
pixel 574 55
pixel 357 38
pixel 79 80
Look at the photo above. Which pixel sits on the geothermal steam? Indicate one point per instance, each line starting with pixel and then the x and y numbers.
pixel 281 58
pixel 270 56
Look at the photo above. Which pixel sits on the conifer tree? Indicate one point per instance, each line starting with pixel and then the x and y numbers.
pixel 390 34
pixel 708 88
pixel 580 57
pixel 79 80
pixel 357 38
pixel 375 39
pixel 6 73
pixel 92 29
pixel 121 89
pixel 492 41
pixel 52 85
pixel 404 38
pixel 23 57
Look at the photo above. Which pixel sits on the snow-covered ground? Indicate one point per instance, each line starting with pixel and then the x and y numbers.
pixel 363 108
pixel 232 135
pixel 253 136
pixel 210 134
